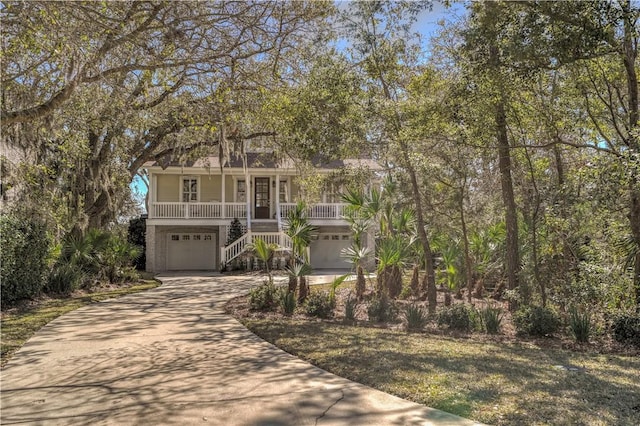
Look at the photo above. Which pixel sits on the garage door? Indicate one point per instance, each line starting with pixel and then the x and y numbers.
pixel 326 250
pixel 191 251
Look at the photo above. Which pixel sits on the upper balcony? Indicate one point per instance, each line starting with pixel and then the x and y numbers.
pixel 228 211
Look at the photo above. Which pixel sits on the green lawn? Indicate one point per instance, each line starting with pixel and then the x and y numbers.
pixel 487 381
pixel 19 326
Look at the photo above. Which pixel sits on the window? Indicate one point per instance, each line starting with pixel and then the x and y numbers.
pixel 345 237
pixel 189 190
pixel 196 238
pixel 207 237
pixel 186 237
pixel 175 238
pixel 241 195
pixel 284 191
pixel 335 237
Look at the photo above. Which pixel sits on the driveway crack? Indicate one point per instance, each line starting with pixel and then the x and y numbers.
pixel 330 407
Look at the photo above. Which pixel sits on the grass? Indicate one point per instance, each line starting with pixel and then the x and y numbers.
pixel 19 325
pixel 487 381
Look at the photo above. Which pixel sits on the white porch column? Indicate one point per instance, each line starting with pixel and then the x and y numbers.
pixel 223 213
pixel 153 194
pixel 278 202
pixel 247 185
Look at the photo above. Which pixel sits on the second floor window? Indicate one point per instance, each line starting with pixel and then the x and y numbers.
pixel 241 196
pixel 284 192
pixel 189 190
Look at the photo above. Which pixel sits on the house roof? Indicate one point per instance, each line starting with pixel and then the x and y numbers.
pixel 268 161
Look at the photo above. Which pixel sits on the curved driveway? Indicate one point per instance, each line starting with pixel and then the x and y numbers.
pixel 172 356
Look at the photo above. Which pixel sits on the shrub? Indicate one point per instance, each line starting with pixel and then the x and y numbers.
pixel 64 278
pixel 318 304
pixel 580 325
pixel 263 297
pixel 536 321
pixel 24 249
pixel 626 329
pixel 287 302
pixel 137 235
pixel 381 309
pixel 350 307
pixel 457 317
pixel 415 317
pixel 491 318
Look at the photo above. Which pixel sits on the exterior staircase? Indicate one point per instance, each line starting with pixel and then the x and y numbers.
pixel 241 245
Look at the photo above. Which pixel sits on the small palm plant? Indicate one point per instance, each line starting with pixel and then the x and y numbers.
pixel 264 252
pixel 391 259
pixel 415 317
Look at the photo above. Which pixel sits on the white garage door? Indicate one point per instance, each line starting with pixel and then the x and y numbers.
pixel 326 250
pixel 191 251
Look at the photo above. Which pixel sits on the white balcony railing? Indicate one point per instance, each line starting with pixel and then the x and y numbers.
pixel 316 211
pixel 323 211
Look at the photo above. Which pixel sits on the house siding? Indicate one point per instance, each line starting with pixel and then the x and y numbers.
pixel 168 188
pixel 210 188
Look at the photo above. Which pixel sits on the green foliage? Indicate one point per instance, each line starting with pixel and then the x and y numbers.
pixel 415 317
pixel 264 252
pixel 318 304
pixel 137 235
pixel 287 301
pixel 263 297
pixel 626 329
pixel 457 317
pixel 536 321
pixel 24 246
pixel 381 309
pixel 64 279
pixel 350 308
pixel 235 231
pixel 490 318
pixel 580 325
pixel 338 281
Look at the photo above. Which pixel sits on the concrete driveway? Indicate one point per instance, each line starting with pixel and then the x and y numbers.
pixel 172 356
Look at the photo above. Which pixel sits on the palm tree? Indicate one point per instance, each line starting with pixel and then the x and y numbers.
pixel 392 255
pixel 297 271
pixel 298 228
pixel 357 255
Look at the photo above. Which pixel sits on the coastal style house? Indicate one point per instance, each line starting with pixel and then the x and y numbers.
pixel 191 207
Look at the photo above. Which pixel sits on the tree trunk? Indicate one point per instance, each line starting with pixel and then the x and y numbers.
pixel 303 290
pixel 512 256
pixel 293 284
pixel 465 240
pixel 415 281
pixel 361 284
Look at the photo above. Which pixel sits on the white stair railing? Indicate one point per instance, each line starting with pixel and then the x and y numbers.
pixel 243 243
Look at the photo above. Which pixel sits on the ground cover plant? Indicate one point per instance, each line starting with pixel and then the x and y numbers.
pixel 21 321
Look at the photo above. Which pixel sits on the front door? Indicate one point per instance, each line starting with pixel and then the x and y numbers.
pixel 262 197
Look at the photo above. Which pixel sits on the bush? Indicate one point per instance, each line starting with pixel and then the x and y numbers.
pixel 536 321
pixel 318 304
pixel 490 318
pixel 350 307
pixel 263 297
pixel 24 249
pixel 64 278
pixel 415 317
pixel 626 329
pixel 457 317
pixel 137 235
pixel 287 302
pixel 580 325
pixel 382 310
